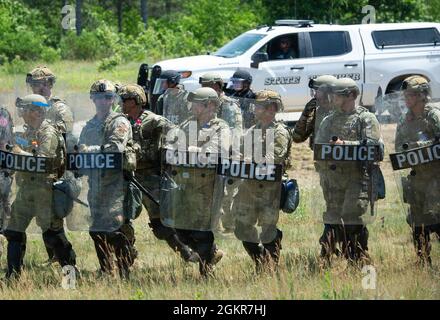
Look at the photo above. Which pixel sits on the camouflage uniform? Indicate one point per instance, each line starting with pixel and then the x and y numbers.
pixel 193 206
pixel 231 114
pixel 59 113
pixel 107 190
pixel 148 129
pixel 423 187
pixel 173 105
pixel 343 186
pixel 6 138
pixel 245 101
pixel 34 197
pixel 312 115
pixel 255 203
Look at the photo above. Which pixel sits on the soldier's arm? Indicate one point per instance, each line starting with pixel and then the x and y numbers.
pixel 238 127
pixel 120 133
pixel 48 143
pixel 64 117
pixel 304 127
pixel 434 124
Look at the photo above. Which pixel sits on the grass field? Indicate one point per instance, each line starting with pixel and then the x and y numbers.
pixel 160 274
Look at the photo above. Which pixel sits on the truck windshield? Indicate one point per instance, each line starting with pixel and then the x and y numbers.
pixel 239 45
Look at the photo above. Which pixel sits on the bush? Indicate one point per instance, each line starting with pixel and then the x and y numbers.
pixel 15 66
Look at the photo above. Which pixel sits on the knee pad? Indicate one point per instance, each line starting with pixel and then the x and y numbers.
pixel 15 236
pixel 160 231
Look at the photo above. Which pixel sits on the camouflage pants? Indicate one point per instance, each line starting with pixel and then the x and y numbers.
pixel 188 199
pixel 424 199
pixel 256 210
pixel 346 197
pixel 32 203
pixel 5 197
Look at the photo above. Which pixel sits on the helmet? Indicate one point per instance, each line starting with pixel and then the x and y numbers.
pixel 238 79
pixel 102 87
pixel 133 91
pixel 40 74
pixel 204 95
pixel 171 76
pixel 417 83
pixel 344 86
pixel 266 97
pixel 322 82
pixel 31 102
pixel 164 80
pixel 241 74
pixel 211 78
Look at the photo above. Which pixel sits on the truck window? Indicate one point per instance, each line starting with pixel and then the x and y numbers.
pixel 239 45
pixel 330 43
pixel 406 37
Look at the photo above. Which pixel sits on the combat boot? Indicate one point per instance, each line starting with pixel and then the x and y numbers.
pixel 206 268
pixel 16 251
pixel 273 251
pixel 421 238
pixel 186 253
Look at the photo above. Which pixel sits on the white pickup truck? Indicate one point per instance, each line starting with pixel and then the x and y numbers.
pixel 377 56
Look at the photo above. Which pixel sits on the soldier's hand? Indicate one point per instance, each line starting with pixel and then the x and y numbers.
pixel 311 105
pixel 339 141
pixel 82 148
pixel 16 149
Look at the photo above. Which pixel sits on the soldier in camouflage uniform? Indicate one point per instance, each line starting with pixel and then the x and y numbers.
pixel 41 80
pixel 419 127
pixel 315 110
pixel 34 195
pixel 343 183
pixel 230 112
pixel 194 205
pixel 254 204
pixel 240 84
pixel 148 129
pixel 173 103
pixel 108 132
pixel 6 138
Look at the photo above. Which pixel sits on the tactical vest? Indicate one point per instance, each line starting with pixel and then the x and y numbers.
pixel 129 154
pixel 147 148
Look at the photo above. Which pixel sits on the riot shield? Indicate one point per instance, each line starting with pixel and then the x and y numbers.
pixel 347 153
pixel 173 105
pixel 414 154
pixel 34 176
pixel 253 172
pixel 191 190
pixel 95 187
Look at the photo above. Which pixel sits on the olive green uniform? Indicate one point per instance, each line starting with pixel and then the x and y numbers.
pixel 343 184
pixel 110 228
pixel 422 189
pixel 230 112
pixel 34 199
pixel 309 122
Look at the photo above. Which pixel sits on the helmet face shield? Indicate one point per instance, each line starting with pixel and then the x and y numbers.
pixel 160 86
pixel 236 84
pixel 102 96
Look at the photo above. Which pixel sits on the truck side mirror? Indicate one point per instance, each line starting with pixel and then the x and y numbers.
pixel 257 58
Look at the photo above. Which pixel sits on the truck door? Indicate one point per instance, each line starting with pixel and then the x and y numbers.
pixel 338 53
pixel 282 72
